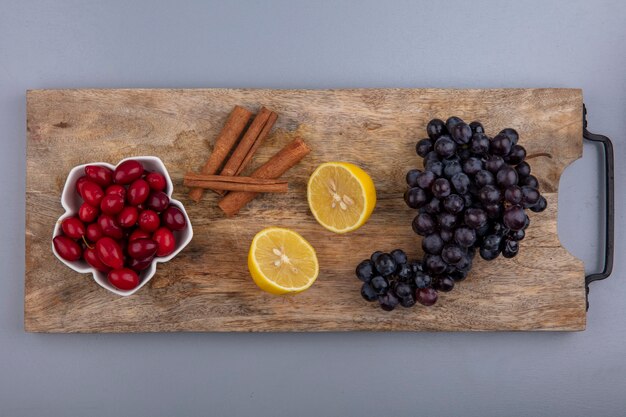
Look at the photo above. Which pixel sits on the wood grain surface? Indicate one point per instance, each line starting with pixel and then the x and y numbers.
pixel 208 288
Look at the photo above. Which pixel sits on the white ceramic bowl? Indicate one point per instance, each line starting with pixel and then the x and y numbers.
pixel 71 201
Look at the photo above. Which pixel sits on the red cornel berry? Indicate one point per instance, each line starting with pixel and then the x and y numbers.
pixel 110 252
pixel 102 176
pixel 127 172
pixel 67 248
pixel 123 278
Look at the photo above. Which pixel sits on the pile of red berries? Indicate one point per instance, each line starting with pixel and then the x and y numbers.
pixel 125 221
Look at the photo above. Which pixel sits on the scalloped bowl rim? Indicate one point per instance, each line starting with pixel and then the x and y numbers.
pixel 69 198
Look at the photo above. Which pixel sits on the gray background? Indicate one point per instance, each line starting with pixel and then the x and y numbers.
pixel 283 44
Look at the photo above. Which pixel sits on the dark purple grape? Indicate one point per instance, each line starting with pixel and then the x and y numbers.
pixel 517 234
pixel 501 145
pixel 447 221
pixel 408 301
pixel 492 242
pixel 513 194
pixel 375 255
pixel 451 168
pixel 365 270
pixel 415 197
pixel 388 301
pixel 523 169
pixel 477 127
pixel 424 224
pixel 451 122
pixel 467 199
pixel 540 206
pixel 434 264
pixel 423 147
pixel 425 179
pixel 516 156
pixel 422 279
pixel 385 265
pixel 431 156
pixel 435 128
pixel 432 244
pixel 460 182
pixel 426 296
pixel 411 177
pixel 510 249
pixel 483 178
pixel 514 217
pixel 462 133
pixel 479 144
pixel 453 203
pixel 444 284
pixel 379 284
pixel 531 181
pixel 472 165
pixel 506 176
pixel 446 235
pixel 436 167
pixel 494 211
pixel 530 196
pixel 458 275
pixel 433 206
pixel 488 254
pixel 494 163
pixel 465 264
pixel 399 256
pixel 402 290
pixel 404 272
pixel 368 293
pixel 489 195
pixel 465 236
pixel 475 218
pixel 441 188
pixel 445 147
pixel 452 253
pixel 511 134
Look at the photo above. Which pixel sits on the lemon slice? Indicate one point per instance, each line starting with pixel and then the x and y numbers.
pixel 341 196
pixel 281 261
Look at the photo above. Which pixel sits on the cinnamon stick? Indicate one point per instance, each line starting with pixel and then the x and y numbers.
pixel 234 126
pixel 286 158
pixel 234 163
pixel 257 143
pixel 230 183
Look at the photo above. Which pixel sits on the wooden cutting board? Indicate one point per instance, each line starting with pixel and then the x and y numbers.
pixel 207 287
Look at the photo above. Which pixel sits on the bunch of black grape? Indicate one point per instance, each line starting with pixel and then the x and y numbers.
pixel 471 195
pixel 391 279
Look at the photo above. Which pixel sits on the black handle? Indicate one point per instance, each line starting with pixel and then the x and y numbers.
pixel 609 182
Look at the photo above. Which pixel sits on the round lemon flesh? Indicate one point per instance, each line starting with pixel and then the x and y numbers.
pixel 281 261
pixel 341 196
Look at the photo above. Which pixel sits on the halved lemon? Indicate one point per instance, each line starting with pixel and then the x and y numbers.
pixel 281 261
pixel 341 196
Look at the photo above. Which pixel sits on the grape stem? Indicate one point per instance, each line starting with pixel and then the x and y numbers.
pixel 537 155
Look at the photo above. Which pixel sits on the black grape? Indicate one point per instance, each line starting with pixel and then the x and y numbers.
pixel 445 147
pixel 436 128
pixel 511 134
pixel 415 197
pixel 461 133
pixel 453 203
pixel 477 127
pixel 411 177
